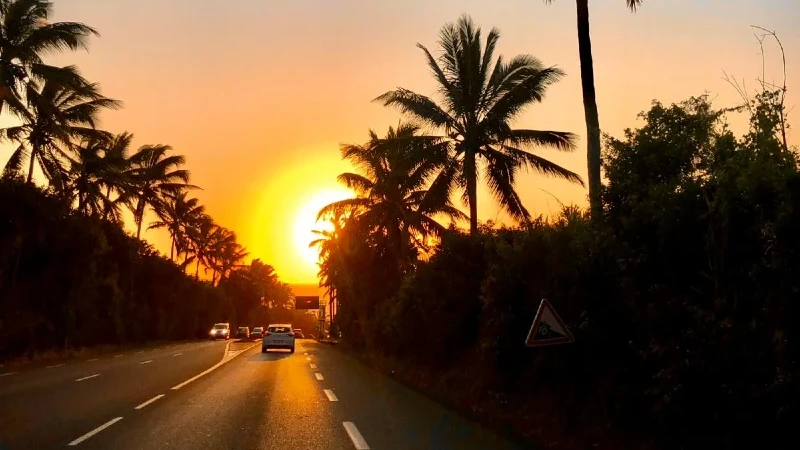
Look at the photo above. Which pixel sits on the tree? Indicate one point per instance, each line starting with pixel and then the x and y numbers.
pixel 156 176
pixel 58 115
pixel 93 173
pixel 178 214
pixel 26 37
pixel 593 146
pixel 480 100
pixel 392 201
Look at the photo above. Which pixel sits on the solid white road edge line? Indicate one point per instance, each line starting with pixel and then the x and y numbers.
pixel 224 360
pixel 319 376
pixel 355 436
pixel 90 376
pixel 95 431
pixel 149 401
pixel 146 362
pixel 313 366
pixel 331 396
pixel 53 367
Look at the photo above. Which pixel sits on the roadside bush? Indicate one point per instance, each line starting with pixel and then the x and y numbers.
pixel 681 298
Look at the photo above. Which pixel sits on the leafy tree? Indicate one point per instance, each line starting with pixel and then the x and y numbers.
pixel 27 37
pixel 593 144
pixel 156 175
pixel 392 199
pixel 59 114
pixel 480 100
pixel 179 214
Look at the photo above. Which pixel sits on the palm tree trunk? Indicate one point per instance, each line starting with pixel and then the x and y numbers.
pixel 139 218
pixel 589 109
pixel 30 166
pixel 471 173
pixel 197 270
pixel 107 202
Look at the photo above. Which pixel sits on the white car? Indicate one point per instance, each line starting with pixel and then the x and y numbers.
pixel 278 335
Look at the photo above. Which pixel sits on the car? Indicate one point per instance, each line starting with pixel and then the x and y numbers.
pixel 278 335
pixel 257 333
pixel 298 333
pixel 220 331
pixel 242 333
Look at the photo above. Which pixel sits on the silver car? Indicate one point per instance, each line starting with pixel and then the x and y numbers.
pixel 278 335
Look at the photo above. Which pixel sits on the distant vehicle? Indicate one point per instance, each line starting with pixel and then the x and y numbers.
pixel 278 335
pixel 257 333
pixel 242 333
pixel 220 331
pixel 298 333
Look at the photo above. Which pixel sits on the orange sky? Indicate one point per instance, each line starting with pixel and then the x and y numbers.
pixel 258 94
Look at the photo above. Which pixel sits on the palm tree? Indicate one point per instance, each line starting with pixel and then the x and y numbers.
pixel 480 100
pixel 58 116
pixel 593 146
pixel 178 214
pixel 392 199
pixel 156 176
pixel 26 37
pixel 94 171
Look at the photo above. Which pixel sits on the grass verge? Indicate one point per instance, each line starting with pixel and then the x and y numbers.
pixel 541 418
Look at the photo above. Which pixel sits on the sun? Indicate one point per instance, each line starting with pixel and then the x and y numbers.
pixel 306 222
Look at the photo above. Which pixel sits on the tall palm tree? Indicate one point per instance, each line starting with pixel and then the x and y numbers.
pixel 26 37
pixel 392 199
pixel 480 100
pixel 593 146
pixel 156 176
pixel 178 214
pixel 58 116
pixel 93 172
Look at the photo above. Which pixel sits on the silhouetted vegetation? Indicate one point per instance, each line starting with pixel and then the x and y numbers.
pixel 680 294
pixel 70 275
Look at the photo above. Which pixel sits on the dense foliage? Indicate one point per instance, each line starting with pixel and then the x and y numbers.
pixel 680 298
pixel 70 275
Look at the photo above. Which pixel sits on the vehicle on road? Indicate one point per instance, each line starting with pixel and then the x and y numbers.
pixel 220 331
pixel 242 333
pixel 278 335
pixel 257 333
pixel 298 333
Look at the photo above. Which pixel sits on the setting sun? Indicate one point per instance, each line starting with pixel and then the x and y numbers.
pixel 306 222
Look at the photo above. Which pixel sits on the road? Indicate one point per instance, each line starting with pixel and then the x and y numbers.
pixel 225 395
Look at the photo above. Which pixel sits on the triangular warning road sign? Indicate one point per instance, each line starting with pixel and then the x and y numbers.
pixel 548 328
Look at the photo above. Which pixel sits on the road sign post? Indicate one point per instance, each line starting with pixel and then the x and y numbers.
pixel 548 328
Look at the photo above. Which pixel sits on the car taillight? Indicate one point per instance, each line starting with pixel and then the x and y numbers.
pixel 267 333
pixel 291 334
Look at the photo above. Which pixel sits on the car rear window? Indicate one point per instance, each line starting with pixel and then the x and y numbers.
pixel 257 329
pixel 220 326
pixel 279 329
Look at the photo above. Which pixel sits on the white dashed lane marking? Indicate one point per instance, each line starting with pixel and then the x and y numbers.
pixel 54 366
pixel 146 362
pixel 355 436
pixel 95 431
pixel 149 401
pixel 90 376
pixel 331 396
pixel 313 366
pixel 319 376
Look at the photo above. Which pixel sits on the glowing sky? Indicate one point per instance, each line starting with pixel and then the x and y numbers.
pixel 259 93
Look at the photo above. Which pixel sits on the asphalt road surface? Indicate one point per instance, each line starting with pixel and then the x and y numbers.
pixel 225 395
